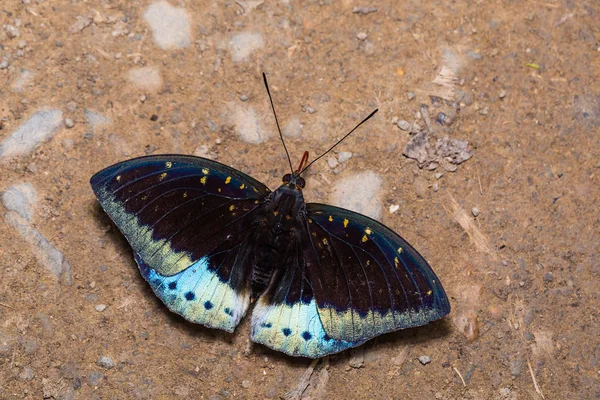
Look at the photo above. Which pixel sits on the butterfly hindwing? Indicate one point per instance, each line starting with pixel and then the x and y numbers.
pixel 285 317
pixel 198 295
pixel 366 279
pixel 189 221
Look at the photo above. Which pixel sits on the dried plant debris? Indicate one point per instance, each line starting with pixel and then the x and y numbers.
pixel 447 152
pixel 364 10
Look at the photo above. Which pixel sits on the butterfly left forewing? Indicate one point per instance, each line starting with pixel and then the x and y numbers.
pixel 366 279
pixel 190 222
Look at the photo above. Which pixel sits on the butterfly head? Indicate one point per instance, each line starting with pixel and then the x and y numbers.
pixel 294 180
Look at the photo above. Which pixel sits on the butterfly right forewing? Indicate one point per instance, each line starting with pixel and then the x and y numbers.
pixel 366 279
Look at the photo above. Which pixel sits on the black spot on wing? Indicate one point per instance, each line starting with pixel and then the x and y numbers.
pixel 190 296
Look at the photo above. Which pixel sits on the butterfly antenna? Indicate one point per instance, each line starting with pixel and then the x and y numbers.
pixel 277 122
pixel 340 141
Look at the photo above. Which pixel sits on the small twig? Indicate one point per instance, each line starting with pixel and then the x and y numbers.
pixel 425 114
pixel 479 180
pixel 296 394
pixel 7 306
pixel 535 384
pixel 460 376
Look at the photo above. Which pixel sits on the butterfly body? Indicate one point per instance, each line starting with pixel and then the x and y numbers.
pixel 277 234
pixel 211 241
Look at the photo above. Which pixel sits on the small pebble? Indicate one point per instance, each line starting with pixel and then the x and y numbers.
pixel 71 106
pixel 4 64
pixel 548 277
pixel 95 378
pixel 12 31
pixel 309 109
pixel 502 94
pixel 438 175
pixel 218 141
pixel 332 162
pixel 246 384
pixel 100 307
pixel 411 95
pixel 143 98
pixel 118 55
pixel 436 187
pixel 394 208
pixel 69 123
pixel 404 125
pixel 27 374
pixel 344 156
pixel 475 211
pixel 424 360
pixel 105 362
pixel 201 151
pixel 244 97
pixel 22 44
pixel 361 36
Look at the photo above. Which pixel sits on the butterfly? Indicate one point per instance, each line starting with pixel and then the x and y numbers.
pixel 211 240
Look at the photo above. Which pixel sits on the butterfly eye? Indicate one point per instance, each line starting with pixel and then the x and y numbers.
pixel 287 178
pixel 300 182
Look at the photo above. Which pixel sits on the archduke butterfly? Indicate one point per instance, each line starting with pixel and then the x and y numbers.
pixel 210 240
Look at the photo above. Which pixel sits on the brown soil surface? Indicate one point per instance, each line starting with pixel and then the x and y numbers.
pixel 524 274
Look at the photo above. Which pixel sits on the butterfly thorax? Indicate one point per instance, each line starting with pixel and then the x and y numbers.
pixel 277 235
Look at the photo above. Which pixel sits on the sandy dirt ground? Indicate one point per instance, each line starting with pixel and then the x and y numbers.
pixel 513 232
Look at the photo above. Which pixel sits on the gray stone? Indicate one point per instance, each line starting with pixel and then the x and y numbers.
pixel 344 156
pixel 40 127
pixel 332 161
pixel 95 119
pixel 170 25
pixel 27 374
pixel 293 129
pixel 69 123
pixel 248 126
pixel 366 201
pixel 45 252
pixel 95 378
pixel 146 78
pixel 105 362
pixel 24 80
pixel 424 360
pixel 404 125
pixel 20 198
pixel 100 307
pixel 516 367
pixel 28 344
pixel 244 43
pixel 7 343
pixel 548 277
pixel 11 31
